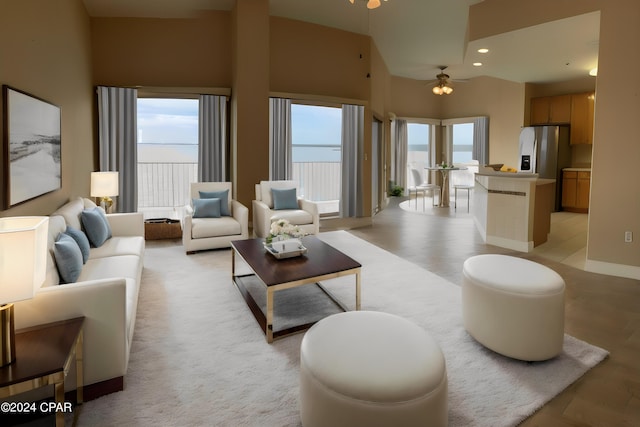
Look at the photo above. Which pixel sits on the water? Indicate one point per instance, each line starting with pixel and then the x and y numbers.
pixel 303 154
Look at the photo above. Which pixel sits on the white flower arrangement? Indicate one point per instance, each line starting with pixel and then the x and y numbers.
pixel 282 229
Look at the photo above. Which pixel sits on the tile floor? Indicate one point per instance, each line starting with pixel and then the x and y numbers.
pixel 603 310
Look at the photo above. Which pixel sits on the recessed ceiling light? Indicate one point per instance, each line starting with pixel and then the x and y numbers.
pixel 477 64
pixel 483 50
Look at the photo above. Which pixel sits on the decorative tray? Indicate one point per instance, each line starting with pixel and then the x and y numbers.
pixel 286 248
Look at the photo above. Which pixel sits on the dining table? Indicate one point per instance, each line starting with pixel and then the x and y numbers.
pixel 445 170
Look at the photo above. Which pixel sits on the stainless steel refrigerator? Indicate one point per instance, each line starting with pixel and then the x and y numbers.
pixel 545 150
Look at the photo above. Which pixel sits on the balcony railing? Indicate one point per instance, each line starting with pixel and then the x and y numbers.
pixel 162 185
pixel 166 185
pixel 319 181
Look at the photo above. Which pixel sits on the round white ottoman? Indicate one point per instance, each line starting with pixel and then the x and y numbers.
pixel 366 368
pixel 513 306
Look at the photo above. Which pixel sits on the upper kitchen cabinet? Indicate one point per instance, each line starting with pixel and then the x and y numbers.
pixel 582 107
pixel 551 110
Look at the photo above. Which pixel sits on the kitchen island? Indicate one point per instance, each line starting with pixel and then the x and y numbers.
pixel 513 210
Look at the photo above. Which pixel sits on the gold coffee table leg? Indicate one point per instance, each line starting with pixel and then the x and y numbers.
pixel 269 325
pixel 358 290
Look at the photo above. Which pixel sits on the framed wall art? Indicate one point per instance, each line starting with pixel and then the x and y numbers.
pixel 32 144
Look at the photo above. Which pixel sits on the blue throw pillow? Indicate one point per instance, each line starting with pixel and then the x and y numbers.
pixel 284 198
pixel 206 208
pixel 96 226
pixel 82 241
pixel 222 195
pixel 68 258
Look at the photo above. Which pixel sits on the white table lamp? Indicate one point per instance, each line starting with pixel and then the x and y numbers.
pixel 23 265
pixel 104 185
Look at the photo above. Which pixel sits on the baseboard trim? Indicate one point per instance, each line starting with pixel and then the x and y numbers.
pixel 516 245
pixel 96 390
pixel 620 270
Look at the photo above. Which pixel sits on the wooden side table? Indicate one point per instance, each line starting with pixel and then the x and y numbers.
pixel 43 356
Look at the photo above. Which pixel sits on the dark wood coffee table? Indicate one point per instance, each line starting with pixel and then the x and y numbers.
pixel 321 262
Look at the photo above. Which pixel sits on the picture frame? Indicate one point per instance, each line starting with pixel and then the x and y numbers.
pixel 31 147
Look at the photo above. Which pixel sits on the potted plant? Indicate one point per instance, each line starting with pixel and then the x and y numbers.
pixel 395 189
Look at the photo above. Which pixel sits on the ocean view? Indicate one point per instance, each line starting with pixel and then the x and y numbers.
pixel 188 153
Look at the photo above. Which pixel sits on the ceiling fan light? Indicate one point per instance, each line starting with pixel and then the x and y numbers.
pixel 447 90
pixel 372 4
pixel 437 90
pixel 352 1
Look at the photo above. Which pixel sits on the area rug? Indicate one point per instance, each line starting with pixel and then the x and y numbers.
pixel 199 357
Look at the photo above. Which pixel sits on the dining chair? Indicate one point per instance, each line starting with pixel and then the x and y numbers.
pixel 419 186
pixel 464 180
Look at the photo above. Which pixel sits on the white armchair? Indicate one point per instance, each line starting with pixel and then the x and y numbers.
pixel 305 215
pixel 213 226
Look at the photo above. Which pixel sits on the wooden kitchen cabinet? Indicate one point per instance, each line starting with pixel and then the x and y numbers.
pixel 548 110
pixel 582 190
pixel 582 110
pixel 576 186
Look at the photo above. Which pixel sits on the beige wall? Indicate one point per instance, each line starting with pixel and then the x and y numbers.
pixel 250 97
pixel 379 102
pixel 413 98
pixel 616 149
pixel 615 209
pixel 312 59
pixel 502 101
pixel 45 51
pixel 162 52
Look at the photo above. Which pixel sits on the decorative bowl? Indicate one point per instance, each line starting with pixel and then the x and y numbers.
pixel 286 248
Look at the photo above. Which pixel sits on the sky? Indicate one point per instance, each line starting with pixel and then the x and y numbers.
pixel 175 122
pixel 167 121
pixel 311 124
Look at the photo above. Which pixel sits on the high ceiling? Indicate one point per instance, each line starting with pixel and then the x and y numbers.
pixel 416 36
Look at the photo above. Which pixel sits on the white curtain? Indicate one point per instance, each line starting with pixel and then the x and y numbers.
pixel 352 154
pixel 481 140
pixel 212 138
pixel 280 155
pixel 400 143
pixel 117 129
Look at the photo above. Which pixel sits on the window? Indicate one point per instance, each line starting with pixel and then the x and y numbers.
pixel 316 133
pixel 462 143
pixel 167 154
pixel 418 149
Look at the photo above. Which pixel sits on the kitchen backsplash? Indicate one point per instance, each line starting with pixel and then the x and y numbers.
pixel 581 155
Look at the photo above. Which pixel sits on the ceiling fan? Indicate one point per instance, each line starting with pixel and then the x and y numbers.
pixel 443 87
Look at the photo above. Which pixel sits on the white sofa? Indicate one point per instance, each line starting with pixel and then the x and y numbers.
pixel 106 294
pixel 212 233
pixel 306 217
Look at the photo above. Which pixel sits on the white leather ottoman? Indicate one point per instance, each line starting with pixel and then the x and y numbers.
pixel 371 369
pixel 513 306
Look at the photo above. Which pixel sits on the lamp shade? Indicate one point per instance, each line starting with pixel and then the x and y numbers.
pixel 104 184
pixel 23 256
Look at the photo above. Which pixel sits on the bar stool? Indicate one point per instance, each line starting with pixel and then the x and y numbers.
pixel 455 192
